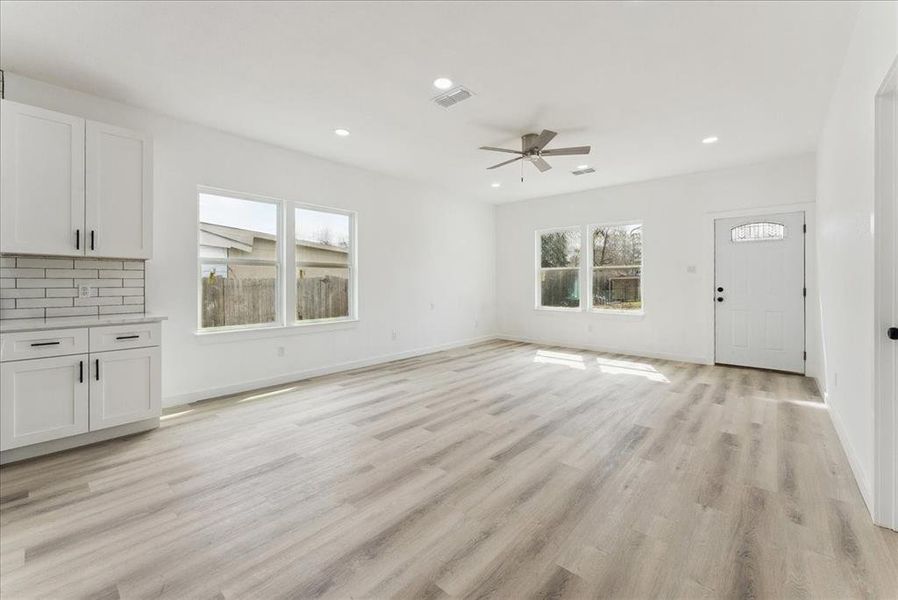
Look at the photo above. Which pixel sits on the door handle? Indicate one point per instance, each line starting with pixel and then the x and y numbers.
pixel 80 371
pixel 720 298
pixel 77 239
pixel 91 239
pixel 719 289
pixel 892 333
pixel 97 368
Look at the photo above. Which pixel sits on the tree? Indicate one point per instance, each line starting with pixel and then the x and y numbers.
pixel 554 250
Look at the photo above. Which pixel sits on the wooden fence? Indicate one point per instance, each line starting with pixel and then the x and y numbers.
pixel 232 301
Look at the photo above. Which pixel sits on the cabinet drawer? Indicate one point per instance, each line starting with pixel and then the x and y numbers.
pixel 41 344
pixel 120 337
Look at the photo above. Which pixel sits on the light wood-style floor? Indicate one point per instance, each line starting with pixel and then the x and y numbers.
pixel 501 470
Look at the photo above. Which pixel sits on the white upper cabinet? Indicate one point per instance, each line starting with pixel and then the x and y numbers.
pixel 41 181
pixel 119 198
pixel 72 187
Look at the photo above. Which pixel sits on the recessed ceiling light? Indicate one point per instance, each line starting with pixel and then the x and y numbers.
pixel 442 83
pixel 581 167
pixel 710 139
pixel 495 184
pixel 341 132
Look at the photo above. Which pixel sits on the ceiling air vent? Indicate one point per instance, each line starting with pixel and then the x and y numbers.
pixel 453 97
pixel 583 171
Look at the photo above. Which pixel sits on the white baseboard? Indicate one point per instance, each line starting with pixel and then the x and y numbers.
pixel 860 477
pixel 246 386
pixel 611 350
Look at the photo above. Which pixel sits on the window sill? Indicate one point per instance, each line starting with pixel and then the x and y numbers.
pixel 227 334
pixel 558 309
pixel 617 313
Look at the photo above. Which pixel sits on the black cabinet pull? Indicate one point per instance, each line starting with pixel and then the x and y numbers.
pixel 91 239
pixel 97 368
pixel 127 337
pixel 892 333
pixel 80 371
pixel 45 344
pixel 719 299
pixel 720 289
pixel 77 239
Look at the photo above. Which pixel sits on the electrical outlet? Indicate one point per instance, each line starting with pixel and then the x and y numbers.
pixel 476 323
pixel 281 351
pixel 589 328
pixel 395 335
pixel 84 291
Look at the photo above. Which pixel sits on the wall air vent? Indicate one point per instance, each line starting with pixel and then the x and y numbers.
pixel 583 171
pixel 453 96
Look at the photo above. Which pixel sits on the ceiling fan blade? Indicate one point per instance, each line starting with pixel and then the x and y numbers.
pixel 566 151
pixel 507 162
pixel 501 150
pixel 542 139
pixel 540 164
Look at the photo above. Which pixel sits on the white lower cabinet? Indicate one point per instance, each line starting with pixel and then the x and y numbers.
pixel 46 398
pixel 124 387
pixel 43 399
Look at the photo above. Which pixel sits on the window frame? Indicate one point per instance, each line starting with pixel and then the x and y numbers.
pixel 537 246
pixel 590 266
pixel 285 281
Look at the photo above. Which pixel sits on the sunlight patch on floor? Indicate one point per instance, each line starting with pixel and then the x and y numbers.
pixel 627 367
pixel 548 357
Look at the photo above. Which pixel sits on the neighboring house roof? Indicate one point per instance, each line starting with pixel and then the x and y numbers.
pixel 220 236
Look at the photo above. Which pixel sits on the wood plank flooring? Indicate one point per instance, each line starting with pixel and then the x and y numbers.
pixel 502 470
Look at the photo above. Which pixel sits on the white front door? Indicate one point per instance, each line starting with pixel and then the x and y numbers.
pixel 759 291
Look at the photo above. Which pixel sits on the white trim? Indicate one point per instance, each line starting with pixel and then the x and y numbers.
pixel 228 390
pixel 607 349
pixel 885 313
pixel 591 267
pixel 538 261
pixel 860 477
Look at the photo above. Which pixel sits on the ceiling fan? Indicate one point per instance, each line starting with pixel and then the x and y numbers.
pixel 532 149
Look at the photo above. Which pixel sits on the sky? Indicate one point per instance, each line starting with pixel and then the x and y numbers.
pixel 262 216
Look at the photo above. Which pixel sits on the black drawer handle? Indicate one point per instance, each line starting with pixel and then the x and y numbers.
pixel 127 337
pixel 45 344
pixel 97 368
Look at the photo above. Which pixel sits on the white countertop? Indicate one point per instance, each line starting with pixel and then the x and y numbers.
pixel 13 325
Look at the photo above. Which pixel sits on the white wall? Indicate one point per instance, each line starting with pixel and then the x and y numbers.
pixel 845 169
pixel 677 215
pixel 426 265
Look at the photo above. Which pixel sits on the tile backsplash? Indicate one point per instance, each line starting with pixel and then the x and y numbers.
pixel 36 287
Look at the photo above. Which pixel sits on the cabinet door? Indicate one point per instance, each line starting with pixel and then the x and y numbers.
pixel 125 386
pixel 119 198
pixel 41 181
pixel 42 399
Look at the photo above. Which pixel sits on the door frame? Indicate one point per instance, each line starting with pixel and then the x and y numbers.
pixel 811 318
pixel 885 400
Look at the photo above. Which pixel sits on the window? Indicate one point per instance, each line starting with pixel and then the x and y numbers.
pixel 617 267
pixel 243 282
pixel 238 252
pixel 758 232
pixel 323 268
pixel 559 269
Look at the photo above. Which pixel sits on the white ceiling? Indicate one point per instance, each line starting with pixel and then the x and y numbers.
pixel 642 82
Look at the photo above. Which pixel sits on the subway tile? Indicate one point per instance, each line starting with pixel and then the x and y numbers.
pixel 132 283
pixel 97 263
pixel 72 311
pixel 43 283
pixel 42 302
pixel 98 301
pixel 117 310
pixel 22 293
pixel 63 292
pixel 44 263
pixel 99 282
pixel 132 265
pixel 11 302
pixel 119 274
pixel 121 291
pixel 7 282
pixel 71 273
pixel 22 313
pixel 132 300
pixel 21 272
pixel 7 261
